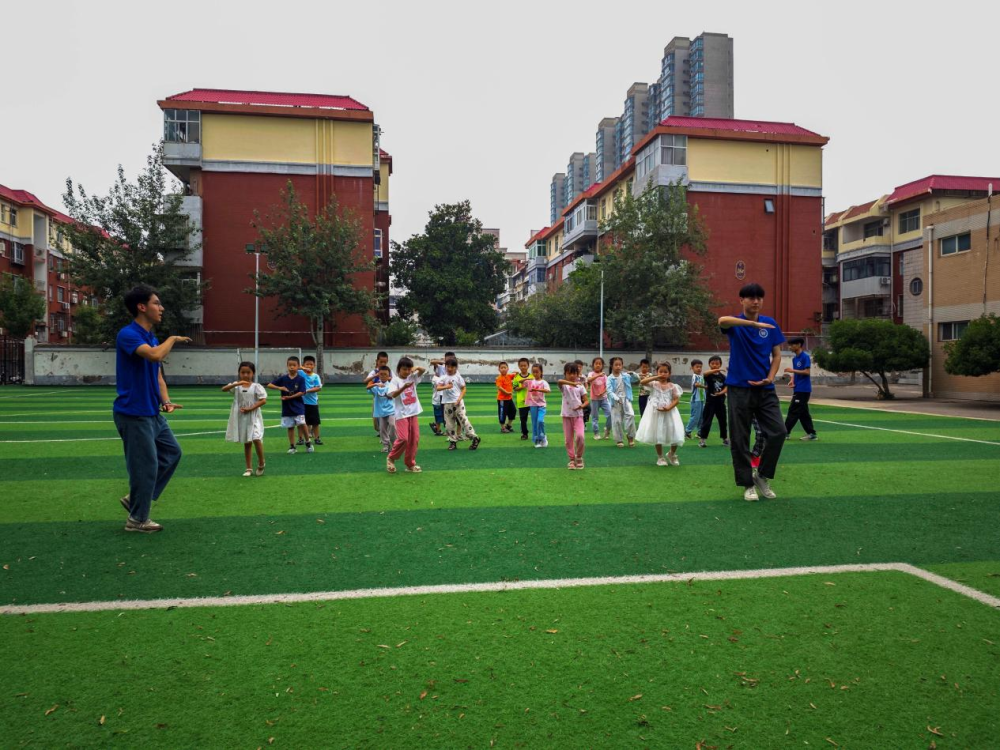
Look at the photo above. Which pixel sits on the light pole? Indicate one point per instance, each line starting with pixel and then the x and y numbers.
pixel 600 334
pixel 256 305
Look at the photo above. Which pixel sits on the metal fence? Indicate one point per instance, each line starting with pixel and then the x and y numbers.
pixel 11 360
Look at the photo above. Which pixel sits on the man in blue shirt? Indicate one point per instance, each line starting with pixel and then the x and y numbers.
pixel 801 390
pixel 754 358
pixel 151 450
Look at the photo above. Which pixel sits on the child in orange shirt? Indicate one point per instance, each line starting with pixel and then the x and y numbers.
pixel 506 411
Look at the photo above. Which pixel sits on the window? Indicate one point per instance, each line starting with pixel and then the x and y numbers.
pixel 181 126
pixel 673 149
pixel 916 287
pixel 899 305
pixel 17 256
pixel 4 213
pixel 52 263
pixel 865 268
pixel 378 243
pixel 768 206
pixel 901 256
pixel 13 217
pixel 873 229
pixel 830 240
pixel 909 221
pixel 50 294
pixel 3 248
pixel 539 275
pixel 52 320
pixel 952 331
pixel 591 212
pixel 60 295
pixel 957 244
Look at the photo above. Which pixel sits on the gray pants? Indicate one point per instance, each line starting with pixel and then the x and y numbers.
pixel 456 421
pixel 744 405
pixel 622 421
pixel 387 430
pixel 151 456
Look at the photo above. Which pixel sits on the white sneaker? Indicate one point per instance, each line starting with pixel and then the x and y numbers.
pixel 538 445
pixel 292 449
pixel 545 442
pixel 763 487
pixel 750 494
pixel 310 449
pixel 661 461
pixel 674 461
pixel 597 436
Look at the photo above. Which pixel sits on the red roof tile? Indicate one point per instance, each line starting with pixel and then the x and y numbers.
pixel 858 210
pixel 588 193
pixel 536 236
pixel 21 197
pixel 941 182
pixel 737 126
pixel 268 98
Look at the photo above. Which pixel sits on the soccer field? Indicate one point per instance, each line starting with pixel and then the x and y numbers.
pixel 527 605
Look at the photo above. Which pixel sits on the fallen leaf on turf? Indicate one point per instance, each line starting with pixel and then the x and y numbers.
pixel 635 697
pixel 320 520
pixel 269 639
pixel 829 583
pixel 401 643
pixel 101 721
pixel 279 533
pixel 552 631
pixel 813 705
pixel 57 706
pixel 831 742
pixel 935 730
pixel 192 575
pixel 270 740
pixel 458 679
pixel 423 695
pixel 383 645
pixel 731 729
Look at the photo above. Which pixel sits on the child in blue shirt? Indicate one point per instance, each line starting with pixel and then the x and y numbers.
pixel 801 385
pixel 384 410
pixel 293 409
pixel 697 397
pixel 314 384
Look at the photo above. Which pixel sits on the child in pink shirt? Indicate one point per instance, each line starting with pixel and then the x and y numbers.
pixel 535 399
pixel 574 398
pixel 597 379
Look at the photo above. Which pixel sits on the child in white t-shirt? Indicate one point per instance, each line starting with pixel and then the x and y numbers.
pixel 451 388
pixel 403 392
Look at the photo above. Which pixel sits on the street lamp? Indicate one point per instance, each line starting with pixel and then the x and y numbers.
pixel 256 305
pixel 600 335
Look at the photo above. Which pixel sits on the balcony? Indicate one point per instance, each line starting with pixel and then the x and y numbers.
pixel 583 260
pixel 191 206
pixel 873 286
pixel 179 158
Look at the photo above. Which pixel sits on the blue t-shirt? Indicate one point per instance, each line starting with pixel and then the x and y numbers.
pixel 312 381
pixel 293 407
pixel 803 383
pixel 384 407
pixel 750 352
pixel 697 394
pixel 137 379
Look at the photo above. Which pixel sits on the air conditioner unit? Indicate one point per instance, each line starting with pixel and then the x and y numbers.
pixel 64 334
pixel 836 314
pixel 884 281
pixel 886 223
pixel 39 252
pixel 65 306
pixel 62 277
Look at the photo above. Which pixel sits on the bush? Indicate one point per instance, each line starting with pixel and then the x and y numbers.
pixel 977 353
pixel 399 332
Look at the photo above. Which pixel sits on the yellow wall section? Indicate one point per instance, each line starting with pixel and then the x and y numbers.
pixel 754 163
pixel 286 139
pixel 25 228
pixel 383 188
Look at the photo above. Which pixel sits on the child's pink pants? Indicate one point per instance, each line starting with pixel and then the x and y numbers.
pixel 573 432
pixel 407 440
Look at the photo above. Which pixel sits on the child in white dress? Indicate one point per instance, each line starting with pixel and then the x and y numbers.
pixel 246 421
pixel 661 424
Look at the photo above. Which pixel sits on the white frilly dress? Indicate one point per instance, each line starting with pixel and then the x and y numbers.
pixel 245 428
pixel 661 427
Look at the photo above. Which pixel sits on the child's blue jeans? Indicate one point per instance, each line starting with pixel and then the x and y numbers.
pixel 537 424
pixel 597 406
pixel 694 423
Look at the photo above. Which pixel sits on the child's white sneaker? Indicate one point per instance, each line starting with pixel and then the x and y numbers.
pixel 545 442
pixel 661 461
pixel 673 460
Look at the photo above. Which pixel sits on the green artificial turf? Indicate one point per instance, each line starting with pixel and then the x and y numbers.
pixel 866 660
pixel 336 520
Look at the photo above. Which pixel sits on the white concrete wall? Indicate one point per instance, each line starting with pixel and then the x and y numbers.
pixel 75 365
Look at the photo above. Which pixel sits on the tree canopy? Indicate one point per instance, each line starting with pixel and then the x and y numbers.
pixel 873 346
pixel 977 352
pixel 312 262
pixel 20 305
pixel 136 234
pixel 452 274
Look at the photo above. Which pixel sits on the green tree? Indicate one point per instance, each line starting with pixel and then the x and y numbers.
pixel 136 234
pixel 977 353
pixel 20 305
pixel 566 317
pixel 311 263
pixel 452 274
pixel 873 347
pixel 88 326
pixel 399 333
pixel 653 295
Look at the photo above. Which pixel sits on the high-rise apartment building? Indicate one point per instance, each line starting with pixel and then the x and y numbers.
pixel 606 153
pixel 557 197
pixel 579 176
pixel 635 118
pixel 696 77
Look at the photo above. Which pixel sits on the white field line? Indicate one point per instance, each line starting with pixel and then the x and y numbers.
pixel 44 393
pixel 465 588
pixel 907 432
pixel 884 410
pixel 94 439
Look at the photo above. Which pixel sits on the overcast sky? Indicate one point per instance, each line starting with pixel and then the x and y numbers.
pixel 487 101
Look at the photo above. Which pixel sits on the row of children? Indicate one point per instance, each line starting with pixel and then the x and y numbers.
pixel 299 389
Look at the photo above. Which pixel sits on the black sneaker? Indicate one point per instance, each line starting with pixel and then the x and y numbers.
pixel 318 441
pixel 475 443
pixel 301 442
pixel 127 503
pixel 524 436
pixel 452 447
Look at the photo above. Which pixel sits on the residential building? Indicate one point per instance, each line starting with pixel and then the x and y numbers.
pixel 675 81
pixel 34 250
pixel 380 236
pixel 605 153
pixel 579 175
pixel 758 188
pixel 696 77
pixel 867 244
pixel 948 281
pixel 537 263
pixel 557 196
pixel 634 119
pixel 235 151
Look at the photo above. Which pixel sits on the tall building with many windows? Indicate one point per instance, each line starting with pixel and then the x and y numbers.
pixel 557 196
pixel 634 119
pixel 605 153
pixel 234 152
pixel 579 176
pixel 696 77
